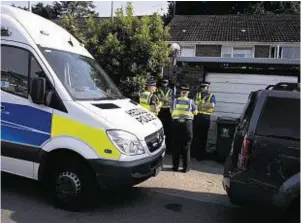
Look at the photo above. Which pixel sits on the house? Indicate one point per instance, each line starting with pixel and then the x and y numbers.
pixel 238 54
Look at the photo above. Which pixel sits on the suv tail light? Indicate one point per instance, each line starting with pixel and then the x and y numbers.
pixel 244 156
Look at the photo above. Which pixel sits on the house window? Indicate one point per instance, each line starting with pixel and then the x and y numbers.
pixel 291 53
pixel 242 52
pixel 227 51
pixel 237 52
pixel 275 52
pixel 187 51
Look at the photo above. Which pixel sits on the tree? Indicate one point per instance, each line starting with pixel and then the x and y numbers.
pixel 69 24
pixel 44 11
pixel 128 48
pixel 232 7
pixel 75 8
pixel 281 7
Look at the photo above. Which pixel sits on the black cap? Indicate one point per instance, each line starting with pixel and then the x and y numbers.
pixel 150 83
pixel 204 83
pixel 184 87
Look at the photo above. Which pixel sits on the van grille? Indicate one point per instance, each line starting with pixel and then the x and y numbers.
pixel 155 140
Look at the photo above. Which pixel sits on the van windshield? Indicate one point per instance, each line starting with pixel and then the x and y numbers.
pixel 82 76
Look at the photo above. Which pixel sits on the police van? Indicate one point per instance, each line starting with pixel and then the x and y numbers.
pixel 63 121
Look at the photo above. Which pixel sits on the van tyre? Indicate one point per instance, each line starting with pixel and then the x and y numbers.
pixel 72 185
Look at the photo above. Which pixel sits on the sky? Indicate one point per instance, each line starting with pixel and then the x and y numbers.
pixel 104 7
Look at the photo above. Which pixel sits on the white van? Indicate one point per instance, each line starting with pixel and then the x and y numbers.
pixel 63 121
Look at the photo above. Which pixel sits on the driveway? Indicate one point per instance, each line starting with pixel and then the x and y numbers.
pixel 196 196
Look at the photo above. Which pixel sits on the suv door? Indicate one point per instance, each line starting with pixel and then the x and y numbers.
pixel 25 126
pixel 276 151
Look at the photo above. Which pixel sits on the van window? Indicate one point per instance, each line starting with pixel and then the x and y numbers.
pixel 280 118
pixel 82 76
pixel 14 70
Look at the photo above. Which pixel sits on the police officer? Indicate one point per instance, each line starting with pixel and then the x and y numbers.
pixel 183 110
pixel 148 98
pixel 205 102
pixel 165 95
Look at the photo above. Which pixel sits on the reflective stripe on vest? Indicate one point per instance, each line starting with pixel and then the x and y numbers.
pixel 144 100
pixel 182 109
pixel 205 111
pixel 166 97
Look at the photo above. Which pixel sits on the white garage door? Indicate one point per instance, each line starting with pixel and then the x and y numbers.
pixel 232 90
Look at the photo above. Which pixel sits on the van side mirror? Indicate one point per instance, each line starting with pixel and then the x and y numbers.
pixel 38 90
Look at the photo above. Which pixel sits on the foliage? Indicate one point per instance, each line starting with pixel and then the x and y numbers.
pixel 281 7
pixel 68 23
pixel 232 7
pixel 130 49
pixel 76 9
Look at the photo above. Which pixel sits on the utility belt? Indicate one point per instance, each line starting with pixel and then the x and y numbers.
pixel 204 113
pixel 182 119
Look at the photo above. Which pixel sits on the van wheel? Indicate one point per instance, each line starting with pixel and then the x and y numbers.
pixel 72 185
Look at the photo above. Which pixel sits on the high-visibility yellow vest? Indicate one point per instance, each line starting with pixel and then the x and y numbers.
pixel 144 100
pixel 166 96
pixel 205 111
pixel 182 109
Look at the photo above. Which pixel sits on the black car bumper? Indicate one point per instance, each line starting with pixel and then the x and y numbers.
pixel 111 174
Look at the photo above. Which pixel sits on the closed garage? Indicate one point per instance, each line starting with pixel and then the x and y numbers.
pixel 232 91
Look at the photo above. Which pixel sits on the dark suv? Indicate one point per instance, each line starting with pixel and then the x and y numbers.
pixel 263 167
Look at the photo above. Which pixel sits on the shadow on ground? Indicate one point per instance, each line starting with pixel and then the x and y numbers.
pixel 208 165
pixel 23 201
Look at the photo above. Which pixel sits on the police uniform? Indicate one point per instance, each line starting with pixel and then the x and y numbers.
pixel 165 95
pixel 148 99
pixel 202 123
pixel 182 112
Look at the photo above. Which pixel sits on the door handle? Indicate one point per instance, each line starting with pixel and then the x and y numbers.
pixel 2 108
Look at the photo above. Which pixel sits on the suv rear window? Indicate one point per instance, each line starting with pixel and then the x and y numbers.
pixel 280 118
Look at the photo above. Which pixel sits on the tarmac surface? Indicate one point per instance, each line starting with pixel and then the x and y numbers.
pixel 196 196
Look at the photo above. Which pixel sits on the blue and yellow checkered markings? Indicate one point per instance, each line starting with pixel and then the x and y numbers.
pixel 25 124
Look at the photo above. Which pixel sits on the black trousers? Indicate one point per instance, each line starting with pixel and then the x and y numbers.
pixel 165 117
pixel 182 138
pixel 200 134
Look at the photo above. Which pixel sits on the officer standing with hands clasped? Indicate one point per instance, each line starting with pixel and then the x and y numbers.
pixel 205 102
pixel 165 95
pixel 148 98
pixel 183 110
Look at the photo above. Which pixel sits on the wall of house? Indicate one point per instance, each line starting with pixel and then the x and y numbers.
pixel 232 91
pixel 208 50
pixel 262 51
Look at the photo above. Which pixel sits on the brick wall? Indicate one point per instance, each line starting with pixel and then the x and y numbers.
pixel 262 51
pixel 208 50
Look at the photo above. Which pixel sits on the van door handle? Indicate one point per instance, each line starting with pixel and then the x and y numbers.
pixel 2 108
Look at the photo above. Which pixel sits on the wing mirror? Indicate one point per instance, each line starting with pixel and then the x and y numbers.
pixel 38 90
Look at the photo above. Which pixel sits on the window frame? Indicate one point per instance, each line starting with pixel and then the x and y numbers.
pixel 262 113
pixel 232 48
pixel 189 47
pixel 276 52
pixel 33 54
pixel 28 70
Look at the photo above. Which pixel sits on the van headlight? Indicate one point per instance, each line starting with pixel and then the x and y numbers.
pixel 127 143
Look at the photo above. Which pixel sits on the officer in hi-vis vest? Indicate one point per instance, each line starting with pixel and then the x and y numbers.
pixel 165 95
pixel 205 102
pixel 148 98
pixel 183 110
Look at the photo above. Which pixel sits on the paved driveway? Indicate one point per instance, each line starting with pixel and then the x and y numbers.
pixel 196 196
